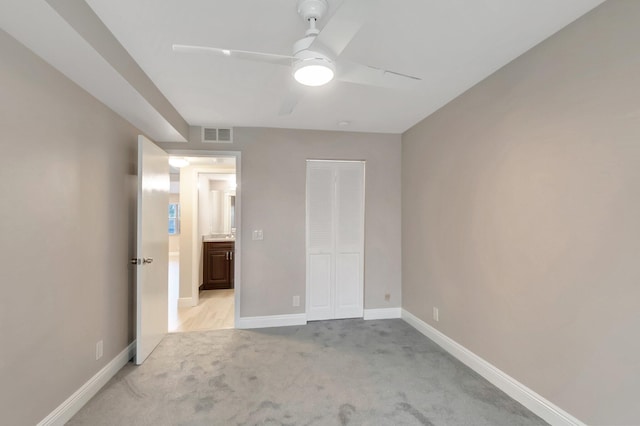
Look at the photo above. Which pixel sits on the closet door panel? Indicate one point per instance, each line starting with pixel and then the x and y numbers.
pixel 320 305
pixel 348 280
pixel 350 207
pixel 320 200
pixel 320 242
pixel 349 240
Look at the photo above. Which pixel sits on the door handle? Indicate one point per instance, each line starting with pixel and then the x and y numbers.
pixel 230 255
pixel 146 260
pixel 135 261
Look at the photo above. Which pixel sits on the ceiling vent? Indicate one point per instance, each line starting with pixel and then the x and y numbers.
pixel 217 135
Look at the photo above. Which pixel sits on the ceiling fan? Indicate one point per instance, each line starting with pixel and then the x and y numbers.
pixel 314 61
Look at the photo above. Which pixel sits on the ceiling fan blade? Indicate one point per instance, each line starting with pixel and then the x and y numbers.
pixel 289 103
pixel 372 76
pixel 238 54
pixel 343 26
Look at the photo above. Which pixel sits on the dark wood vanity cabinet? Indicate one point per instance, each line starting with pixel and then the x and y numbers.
pixel 218 265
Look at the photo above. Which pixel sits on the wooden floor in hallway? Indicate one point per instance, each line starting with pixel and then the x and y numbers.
pixel 215 309
pixel 214 312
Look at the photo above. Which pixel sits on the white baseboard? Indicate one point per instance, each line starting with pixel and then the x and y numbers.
pixel 382 313
pixel 271 321
pixel 75 402
pixel 516 390
pixel 185 302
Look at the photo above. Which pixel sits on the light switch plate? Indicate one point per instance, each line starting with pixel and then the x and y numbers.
pixel 257 235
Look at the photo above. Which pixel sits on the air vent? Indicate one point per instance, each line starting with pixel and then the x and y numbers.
pixel 224 135
pixel 217 135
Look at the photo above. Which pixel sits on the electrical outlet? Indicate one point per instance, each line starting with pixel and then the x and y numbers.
pixel 296 300
pixel 436 314
pixel 387 297
pixel 99 350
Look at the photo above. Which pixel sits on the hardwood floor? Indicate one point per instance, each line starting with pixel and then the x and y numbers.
pixel 215 310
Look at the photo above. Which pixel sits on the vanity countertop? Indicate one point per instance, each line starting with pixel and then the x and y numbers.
pixel 216 238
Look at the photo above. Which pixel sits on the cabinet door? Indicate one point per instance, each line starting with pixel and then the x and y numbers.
pixel 232 262
pixel 217 266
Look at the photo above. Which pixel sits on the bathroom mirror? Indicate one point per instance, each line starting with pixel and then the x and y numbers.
pixel 217 204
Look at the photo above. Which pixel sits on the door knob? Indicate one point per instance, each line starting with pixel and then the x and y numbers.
pixel 135 261
pixel 147 260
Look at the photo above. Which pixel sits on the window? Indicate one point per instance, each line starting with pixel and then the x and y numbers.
pixel 174 218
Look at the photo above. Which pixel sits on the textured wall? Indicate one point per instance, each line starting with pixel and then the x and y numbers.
pixel 67 179
pixel 521 207
pixel 273 175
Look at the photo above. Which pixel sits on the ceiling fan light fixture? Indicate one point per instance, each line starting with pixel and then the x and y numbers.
pixel 314 71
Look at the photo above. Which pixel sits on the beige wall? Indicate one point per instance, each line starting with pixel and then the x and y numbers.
pixel 273 174
pixel 67 179
pixel 521 217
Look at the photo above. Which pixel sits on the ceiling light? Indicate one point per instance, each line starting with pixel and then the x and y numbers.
pixel 313 71
pixel 178 162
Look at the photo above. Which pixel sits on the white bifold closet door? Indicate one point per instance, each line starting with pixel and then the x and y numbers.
pixel 335 239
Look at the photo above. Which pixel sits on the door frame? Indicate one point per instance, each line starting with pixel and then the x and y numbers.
pixel 237 258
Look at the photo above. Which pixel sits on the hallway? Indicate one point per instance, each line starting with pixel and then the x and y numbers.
pixel 215 311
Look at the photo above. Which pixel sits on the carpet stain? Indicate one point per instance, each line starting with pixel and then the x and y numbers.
pixel 204 404
pixel 314 420
pixel 410 409
pixel 345 413
pixel 483 391
pixel 132 389
pixel 265 405
pixel 409 352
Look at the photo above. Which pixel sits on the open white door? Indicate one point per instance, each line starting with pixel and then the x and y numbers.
pixel 152 248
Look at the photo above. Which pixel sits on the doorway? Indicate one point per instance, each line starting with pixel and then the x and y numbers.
pixel 204 214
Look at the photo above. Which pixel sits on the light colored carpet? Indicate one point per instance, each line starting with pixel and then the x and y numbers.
pixel 348 372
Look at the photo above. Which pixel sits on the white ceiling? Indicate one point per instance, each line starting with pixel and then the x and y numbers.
pixel 450 44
